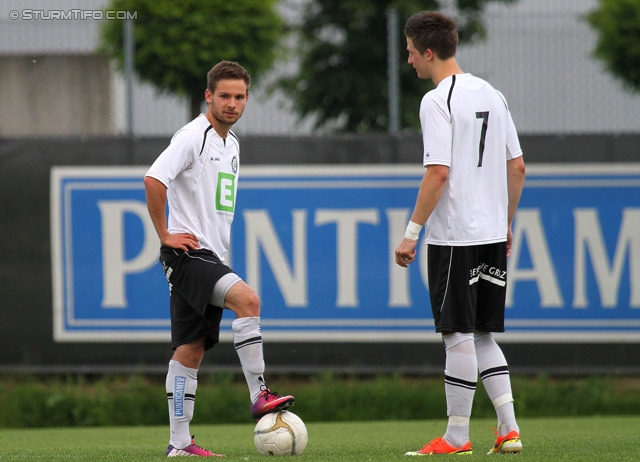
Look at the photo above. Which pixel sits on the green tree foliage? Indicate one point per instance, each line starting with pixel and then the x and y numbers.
pixel 617 23
pixel 178 42
pixel 342 45
pixel 343 71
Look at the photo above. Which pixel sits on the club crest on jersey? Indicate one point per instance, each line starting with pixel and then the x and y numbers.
pixel 234 164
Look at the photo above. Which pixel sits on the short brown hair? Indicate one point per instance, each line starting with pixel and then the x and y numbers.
pixel 227 70
pixel 433 30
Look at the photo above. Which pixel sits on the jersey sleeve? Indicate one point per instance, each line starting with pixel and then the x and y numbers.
pixel 178 156
pixel 513 143
pixel 435 122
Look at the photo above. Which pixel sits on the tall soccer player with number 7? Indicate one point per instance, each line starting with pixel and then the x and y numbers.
pixel 474 175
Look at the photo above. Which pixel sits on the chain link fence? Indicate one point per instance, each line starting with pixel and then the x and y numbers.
pixel 537 52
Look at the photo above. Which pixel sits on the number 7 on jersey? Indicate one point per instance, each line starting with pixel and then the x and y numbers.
pixel 483 133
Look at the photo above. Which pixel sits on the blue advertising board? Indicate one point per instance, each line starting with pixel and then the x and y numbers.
pixel 317 243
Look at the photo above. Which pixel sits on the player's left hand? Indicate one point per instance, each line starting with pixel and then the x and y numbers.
pixel 509 241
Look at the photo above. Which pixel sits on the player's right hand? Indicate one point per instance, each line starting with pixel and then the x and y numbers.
pixel 406 253
pixel 182 241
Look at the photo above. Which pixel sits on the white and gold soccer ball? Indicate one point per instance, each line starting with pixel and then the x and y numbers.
pixel 280 433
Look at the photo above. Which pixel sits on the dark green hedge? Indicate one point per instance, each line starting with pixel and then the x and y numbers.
pixel 48 401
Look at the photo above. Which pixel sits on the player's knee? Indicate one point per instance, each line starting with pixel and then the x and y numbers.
pixel 253 304
pixel 458 338
pixel 249 306
pixel 482 338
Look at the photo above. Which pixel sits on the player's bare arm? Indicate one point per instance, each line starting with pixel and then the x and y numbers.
pixel 433 183
pixel 515 183
pixel 156 195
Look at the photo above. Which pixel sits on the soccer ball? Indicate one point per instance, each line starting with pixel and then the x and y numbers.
pixel 280 433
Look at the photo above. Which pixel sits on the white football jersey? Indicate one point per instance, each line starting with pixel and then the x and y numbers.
pixel 200 171
pixel 467 126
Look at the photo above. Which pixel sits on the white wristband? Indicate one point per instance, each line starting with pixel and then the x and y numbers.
pixel 412 232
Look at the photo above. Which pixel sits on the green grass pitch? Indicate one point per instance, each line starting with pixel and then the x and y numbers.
pixel 554 438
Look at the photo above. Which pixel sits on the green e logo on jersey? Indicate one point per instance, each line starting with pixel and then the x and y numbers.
pixel 225 198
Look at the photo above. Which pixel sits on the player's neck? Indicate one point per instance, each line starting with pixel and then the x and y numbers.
pixel 444 69
pixel 221 129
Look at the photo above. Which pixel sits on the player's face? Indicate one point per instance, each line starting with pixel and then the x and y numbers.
pixel 226 104
pixel 420 62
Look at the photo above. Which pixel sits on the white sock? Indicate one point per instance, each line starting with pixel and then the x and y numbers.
pixel 181 387
pixel 494 373
pixel 247 340
pixel 506 418
pixel 460 381
pixel 457 431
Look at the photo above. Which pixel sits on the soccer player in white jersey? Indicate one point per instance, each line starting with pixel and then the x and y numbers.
pixel 197 175
pixel 474 174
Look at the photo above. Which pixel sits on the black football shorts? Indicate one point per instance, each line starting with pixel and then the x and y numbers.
pixel 467 287
pixel 192 276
